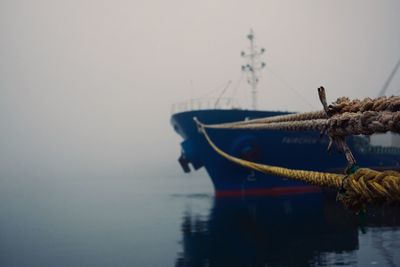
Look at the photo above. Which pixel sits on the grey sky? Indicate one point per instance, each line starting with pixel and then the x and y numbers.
pixel 86 86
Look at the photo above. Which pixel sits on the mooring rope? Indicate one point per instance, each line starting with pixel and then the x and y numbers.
pixel 338 120
pixel 356 189
pixel 343 106
pixel 383 103
pixel 366 123
pixel 280 118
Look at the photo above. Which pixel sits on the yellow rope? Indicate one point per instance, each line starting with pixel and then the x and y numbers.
pixel 363 186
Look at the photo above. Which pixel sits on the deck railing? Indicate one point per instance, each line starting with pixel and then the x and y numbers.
pixel 204 103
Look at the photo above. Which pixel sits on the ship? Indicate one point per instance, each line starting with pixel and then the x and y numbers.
pixel 306 150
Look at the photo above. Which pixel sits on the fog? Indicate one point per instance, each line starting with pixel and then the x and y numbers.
pixel 86 86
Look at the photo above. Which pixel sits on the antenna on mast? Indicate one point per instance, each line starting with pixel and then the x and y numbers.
pixel 253 67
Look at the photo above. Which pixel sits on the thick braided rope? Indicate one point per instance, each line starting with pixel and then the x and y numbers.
pixel 366 123
pixel 370 186
pixel 342 105
pixel 273 119
pixel 383 103
pixel 364 186
pixel 308 125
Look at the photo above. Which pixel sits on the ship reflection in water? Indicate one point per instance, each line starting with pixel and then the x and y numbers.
pixel 303 230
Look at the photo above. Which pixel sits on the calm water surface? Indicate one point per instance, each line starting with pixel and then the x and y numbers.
pixel 172 219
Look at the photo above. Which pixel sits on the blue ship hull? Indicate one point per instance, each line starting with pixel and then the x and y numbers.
pixel 297 150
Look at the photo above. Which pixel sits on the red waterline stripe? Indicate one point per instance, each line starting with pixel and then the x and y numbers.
pixel 276 191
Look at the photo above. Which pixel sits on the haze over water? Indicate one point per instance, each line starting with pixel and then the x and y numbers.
pixel 170 219
pixel 88 171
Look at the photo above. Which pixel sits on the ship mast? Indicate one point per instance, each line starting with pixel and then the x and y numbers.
pixel 253 67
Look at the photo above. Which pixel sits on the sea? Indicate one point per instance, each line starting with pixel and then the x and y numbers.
pixel 167 218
